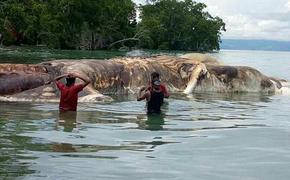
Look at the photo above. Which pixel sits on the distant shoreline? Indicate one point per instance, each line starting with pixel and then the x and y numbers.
pixel 256 45
pixel 227 44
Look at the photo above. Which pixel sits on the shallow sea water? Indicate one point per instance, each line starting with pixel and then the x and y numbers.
pixel 203 136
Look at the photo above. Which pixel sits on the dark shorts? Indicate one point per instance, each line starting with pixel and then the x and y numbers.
pixel 153 111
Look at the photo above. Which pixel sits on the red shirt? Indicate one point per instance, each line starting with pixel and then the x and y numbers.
pixel 162 89
pixel 69 96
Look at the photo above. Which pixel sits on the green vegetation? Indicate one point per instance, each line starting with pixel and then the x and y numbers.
pixel 108 24
pixel 180 25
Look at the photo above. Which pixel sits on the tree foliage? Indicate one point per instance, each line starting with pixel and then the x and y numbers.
pixel 103 24
pixel 179 25
pixel 67 24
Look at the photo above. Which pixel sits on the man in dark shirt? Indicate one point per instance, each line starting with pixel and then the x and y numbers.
pixel 156 76
pixel 153 95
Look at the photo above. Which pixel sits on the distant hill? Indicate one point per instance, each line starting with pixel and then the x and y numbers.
pixel 267 45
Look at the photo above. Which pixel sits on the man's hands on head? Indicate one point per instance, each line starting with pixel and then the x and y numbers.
pixel 72 75
pixel 143 88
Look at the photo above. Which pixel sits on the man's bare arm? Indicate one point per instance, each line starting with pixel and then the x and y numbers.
pixel 60 77
pixel 166 93
pixel 86 81
pixel 143 94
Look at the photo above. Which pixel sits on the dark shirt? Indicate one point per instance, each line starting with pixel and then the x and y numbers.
pixel 155 102
pixel 163 89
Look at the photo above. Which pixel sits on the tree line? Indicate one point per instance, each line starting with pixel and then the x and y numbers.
pixel 108 24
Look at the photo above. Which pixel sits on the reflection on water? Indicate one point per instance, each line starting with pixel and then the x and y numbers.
pixel 37 137
pixel 38 141
pixel 239 97
pixel 68 120
pixel 151 122
pixel 204 136
pixel 33 55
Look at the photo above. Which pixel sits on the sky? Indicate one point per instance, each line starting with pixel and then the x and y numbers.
pixel 251 19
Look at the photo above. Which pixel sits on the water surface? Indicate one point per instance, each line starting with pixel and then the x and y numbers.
pixel 203 136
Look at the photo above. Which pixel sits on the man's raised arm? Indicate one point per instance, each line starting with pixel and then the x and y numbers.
pixel 86 80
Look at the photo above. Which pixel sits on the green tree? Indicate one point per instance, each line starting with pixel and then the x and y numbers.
pixel 13 20
pixel 62 23
pixel 113 21
pixel 67 24
pixel 106 24
pixel 179 25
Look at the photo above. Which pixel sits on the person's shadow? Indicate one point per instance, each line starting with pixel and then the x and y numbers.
pixel 67 119
pixel 155 121
pixel 152 122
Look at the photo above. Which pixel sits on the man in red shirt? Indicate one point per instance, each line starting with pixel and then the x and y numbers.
pixel 69 91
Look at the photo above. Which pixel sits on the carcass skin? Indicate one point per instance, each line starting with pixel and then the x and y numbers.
pixel 187 74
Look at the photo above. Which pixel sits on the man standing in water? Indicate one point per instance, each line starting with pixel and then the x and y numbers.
pixel 154 94
pixel 69 91
pixel 156 76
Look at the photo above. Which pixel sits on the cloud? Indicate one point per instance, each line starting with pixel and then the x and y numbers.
pixel 249 27
pixel 287 6
pixel 251 19
pixel 272 25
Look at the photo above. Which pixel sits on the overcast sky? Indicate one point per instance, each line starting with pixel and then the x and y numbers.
pixel 251 19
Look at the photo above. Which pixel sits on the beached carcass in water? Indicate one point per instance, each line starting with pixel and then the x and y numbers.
pixel 188 74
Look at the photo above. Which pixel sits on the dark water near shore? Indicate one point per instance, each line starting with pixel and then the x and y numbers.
pixel 33 55
pixel 203 136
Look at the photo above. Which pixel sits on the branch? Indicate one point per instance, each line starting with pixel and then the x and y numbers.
pixel 123 40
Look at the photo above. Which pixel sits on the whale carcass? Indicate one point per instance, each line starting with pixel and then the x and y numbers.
pixel 188 74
